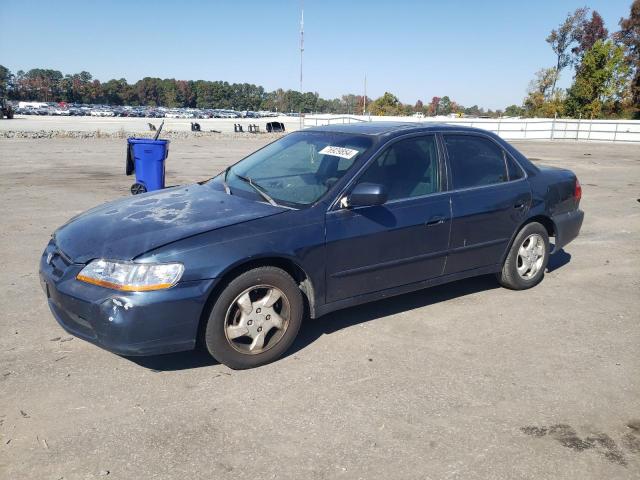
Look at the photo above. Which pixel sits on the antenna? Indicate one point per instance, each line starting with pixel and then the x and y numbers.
pixel 301 41
pixel 301 51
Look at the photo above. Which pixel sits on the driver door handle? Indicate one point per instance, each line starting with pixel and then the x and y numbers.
pixel 435 220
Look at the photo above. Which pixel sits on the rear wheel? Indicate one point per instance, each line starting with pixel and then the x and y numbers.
pixel 527 259
pixel 255 319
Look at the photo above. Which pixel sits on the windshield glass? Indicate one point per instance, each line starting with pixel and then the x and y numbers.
pixel 298 169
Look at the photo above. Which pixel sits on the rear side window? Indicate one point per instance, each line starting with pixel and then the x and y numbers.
pixel 515 172
pixel 475 161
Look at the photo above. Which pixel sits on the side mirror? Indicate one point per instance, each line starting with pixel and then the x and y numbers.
pixel 367 195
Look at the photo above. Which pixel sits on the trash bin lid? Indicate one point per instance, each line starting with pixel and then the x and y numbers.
pixel 149 141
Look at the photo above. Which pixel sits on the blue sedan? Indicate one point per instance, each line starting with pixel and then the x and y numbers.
pixel 319 220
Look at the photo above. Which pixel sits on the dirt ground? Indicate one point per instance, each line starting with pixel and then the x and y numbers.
pixel 462 381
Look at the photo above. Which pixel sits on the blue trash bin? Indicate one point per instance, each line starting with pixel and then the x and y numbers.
pixel 146 157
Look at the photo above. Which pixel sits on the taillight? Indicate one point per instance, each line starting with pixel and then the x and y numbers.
pixel 577 193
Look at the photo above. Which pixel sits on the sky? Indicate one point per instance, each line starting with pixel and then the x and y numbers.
pixel 477 52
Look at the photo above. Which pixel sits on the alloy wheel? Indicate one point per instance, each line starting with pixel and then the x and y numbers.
pixel 257 319
pixel 531 256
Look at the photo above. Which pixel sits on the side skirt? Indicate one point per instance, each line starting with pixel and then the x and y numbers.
pixel 411 287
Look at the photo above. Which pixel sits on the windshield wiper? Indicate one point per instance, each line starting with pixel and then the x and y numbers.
pixel 257 188
pixel 224 181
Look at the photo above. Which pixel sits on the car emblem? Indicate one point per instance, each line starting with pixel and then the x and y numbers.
pixel 50 258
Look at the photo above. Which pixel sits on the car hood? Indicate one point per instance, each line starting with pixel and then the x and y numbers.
pixel 129 227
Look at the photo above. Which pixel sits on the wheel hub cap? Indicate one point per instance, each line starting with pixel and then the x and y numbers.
pixel 257 319
pixel 531 256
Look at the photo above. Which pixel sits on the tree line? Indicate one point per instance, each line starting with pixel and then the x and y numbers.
pixel 605 66
pixel 606 83
pixel 49 85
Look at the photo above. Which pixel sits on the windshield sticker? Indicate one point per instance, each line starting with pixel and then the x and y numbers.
pixel 341 152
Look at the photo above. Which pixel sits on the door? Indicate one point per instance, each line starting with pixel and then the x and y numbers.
pixel 489 200
pixel 374 248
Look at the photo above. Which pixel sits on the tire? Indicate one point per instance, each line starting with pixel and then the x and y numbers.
pixel 234 329
pixel 524 269
pixel 138 188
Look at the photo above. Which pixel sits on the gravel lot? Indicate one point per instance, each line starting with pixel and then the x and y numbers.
pixel 465 380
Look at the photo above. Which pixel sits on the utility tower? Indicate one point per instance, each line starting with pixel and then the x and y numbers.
pixel 301 52
pixel 364 108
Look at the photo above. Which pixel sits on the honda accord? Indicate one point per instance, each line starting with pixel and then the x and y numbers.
pixel 321 219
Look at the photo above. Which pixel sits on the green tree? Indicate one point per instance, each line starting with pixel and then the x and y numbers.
pixel 601 81
pixel 542 100
pixel 388 104
pixel 5 81
pixel 114 91
pixel 514 111
pixel 629 36
pixel 446 106
pixel 473 111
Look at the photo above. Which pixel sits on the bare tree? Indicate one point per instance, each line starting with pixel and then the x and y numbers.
pixel 544 82
pixel 563 37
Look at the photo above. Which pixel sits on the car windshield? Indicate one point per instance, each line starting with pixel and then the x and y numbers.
pixel 298 169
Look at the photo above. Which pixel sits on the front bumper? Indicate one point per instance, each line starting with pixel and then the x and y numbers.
pixel 567 227
pixel 126 323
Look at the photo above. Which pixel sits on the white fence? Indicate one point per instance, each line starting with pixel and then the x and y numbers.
pixel 514 128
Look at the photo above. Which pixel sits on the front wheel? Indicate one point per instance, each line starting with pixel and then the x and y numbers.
pixel 255 319
pixel 527 259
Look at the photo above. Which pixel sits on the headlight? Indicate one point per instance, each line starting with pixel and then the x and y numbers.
pixel 131 277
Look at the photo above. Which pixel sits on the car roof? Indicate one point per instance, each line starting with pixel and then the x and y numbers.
pixel 389 128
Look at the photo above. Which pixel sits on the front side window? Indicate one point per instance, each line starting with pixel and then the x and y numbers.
pixel 408 168
pixel 474 161
pixel 298 169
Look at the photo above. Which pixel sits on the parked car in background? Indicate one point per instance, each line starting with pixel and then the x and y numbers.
pixel 102 113
pixel 76 109
pixel 319 220
pixel 59 111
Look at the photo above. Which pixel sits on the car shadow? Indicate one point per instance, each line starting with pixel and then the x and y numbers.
pixel 170 362
pixel 558 260
pixel 313 329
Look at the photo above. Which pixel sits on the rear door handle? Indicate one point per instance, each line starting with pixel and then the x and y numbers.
pixel 437 220
pixel 519 206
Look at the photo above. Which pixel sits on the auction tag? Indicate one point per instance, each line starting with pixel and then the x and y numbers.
pixel 341 152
